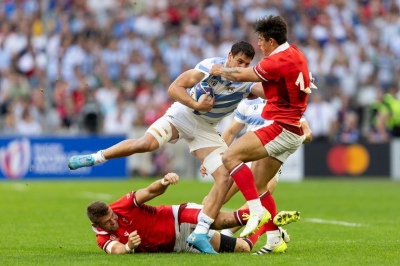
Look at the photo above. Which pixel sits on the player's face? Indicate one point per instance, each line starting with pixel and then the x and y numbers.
pixel 108 222
pixel 266 46
pixel 239 60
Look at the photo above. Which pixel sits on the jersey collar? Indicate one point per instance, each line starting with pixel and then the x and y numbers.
pixel 280 48
pixel 99 231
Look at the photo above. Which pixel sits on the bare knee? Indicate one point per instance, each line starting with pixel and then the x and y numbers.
pixel 227 161
pixel 222 178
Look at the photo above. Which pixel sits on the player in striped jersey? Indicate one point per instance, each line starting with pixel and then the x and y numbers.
pixel 196 122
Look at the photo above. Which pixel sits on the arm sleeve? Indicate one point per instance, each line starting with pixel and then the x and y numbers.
pixel 266 69
pixel 204 67
pixel 240 112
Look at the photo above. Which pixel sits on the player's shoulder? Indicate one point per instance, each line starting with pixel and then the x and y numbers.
pixel 209 62
pixel 247 103
pixel 256 101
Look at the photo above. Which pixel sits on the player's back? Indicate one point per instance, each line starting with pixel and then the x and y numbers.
pixel 286 76
pixel 248 112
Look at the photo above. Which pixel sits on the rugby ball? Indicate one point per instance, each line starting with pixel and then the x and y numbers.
pixel 200 89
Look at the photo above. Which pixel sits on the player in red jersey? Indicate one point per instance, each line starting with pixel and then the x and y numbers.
pixel 286 81
pixel 128 225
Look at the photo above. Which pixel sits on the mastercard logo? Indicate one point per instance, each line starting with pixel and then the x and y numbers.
pixel 352 159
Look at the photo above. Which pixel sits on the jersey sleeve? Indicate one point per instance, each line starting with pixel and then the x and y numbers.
pixel 205 66
pixel 267 69
pixel 128 201
pixel 240 112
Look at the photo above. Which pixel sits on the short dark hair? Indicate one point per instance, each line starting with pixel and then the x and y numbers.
pixel 243 47
pixel 96 210
pixel 273 27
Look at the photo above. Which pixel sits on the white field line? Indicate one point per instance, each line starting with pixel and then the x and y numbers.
pixel 322 221
pixel 99 196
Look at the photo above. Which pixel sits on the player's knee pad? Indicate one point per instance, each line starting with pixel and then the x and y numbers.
pixel 161 131
pixel 214 160
pixel 227 244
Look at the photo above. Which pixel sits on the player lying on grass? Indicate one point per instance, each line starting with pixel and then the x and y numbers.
pixel 128 225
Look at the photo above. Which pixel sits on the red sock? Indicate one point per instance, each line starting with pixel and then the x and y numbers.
pixel 254 237
pixel 269 203
pixel 244 179
pixel 239 216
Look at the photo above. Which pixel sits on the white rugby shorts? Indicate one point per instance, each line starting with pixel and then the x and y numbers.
pixel 197 132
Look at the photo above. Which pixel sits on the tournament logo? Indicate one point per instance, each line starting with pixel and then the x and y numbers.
pixel 15 158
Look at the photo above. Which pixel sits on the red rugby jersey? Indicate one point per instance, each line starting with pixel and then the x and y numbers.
pixel 285 74
pixel 155 225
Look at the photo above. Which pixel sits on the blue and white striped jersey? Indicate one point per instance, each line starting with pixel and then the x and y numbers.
pixel 249 112
pixel 227 94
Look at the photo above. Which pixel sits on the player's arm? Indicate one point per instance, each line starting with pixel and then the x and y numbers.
pixel 177 90
pixel 232 131
pixel 258 91
pixel 307 131
pixel 240 74
pixel 116 247
pixel 156 188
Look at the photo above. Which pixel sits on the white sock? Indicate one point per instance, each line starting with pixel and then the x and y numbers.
pixel 273 237
pixel 256 207
pixel 211 233
pixel 227 232
pixel 203 223
pixel 99 157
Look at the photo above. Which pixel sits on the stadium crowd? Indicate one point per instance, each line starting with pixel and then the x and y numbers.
pixel 104 66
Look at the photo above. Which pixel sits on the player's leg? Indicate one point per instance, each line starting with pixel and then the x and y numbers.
pixel 225 244
pixel 258 169
pixel 248 148
pixel 273 142
pixel 262 172
pixel 211 158
pixel 156 136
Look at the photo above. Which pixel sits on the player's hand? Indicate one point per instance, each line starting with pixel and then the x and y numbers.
pixel 203 171
pixel 216 70
pixel 170 179
pixel 134 240
pixel 205 103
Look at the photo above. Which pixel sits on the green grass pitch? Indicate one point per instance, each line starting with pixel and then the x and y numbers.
pixel 343 222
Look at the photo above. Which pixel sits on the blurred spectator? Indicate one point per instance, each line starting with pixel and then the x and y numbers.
pixel 392 102
pixel 27 125
pixel 120 119
pixel 73 56
pixel 92 116
pixel 349 132
pixel 162 161
pixel 379 132
pixel 321 117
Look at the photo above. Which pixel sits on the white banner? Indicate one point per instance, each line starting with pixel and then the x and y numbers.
pixel 293 168
pixel 395 159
